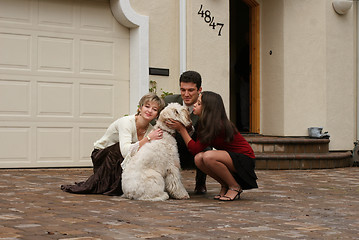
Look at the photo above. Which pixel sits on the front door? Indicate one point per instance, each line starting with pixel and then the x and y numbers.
pixel 244 61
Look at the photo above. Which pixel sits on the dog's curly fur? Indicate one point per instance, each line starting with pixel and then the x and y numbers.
pixel 154 172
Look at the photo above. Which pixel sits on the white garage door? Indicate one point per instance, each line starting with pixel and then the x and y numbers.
pixel 64 77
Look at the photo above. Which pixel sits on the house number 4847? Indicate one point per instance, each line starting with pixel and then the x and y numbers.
pixel 206 15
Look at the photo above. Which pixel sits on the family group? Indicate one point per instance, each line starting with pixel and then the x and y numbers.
pixel 212 144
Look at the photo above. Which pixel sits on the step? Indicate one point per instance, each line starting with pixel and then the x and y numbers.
pixel 283 153
pixel 274 144
pixel 287 161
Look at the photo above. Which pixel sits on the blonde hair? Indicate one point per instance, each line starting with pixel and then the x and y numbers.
pixel 151 97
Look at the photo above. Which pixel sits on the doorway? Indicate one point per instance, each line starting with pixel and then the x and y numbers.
pixel 244 62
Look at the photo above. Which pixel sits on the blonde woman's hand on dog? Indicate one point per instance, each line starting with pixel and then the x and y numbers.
pixel 155 134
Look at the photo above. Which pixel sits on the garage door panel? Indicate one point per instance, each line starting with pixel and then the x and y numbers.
pixel 56 13
pixel 15 11
pixel 96 57
pixel 15 51
pixel 15 145
pixel 87 138
pixel 95 16
pixel 55 54
pixel 121 98
pixel 14 98
pixel 55 144
pixel 96 100
pixel 123 56
pixel 55 99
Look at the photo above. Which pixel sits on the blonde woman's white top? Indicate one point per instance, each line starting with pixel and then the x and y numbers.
pixel 122 130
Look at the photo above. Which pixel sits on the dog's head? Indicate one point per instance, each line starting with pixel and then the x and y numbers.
pixel 176 112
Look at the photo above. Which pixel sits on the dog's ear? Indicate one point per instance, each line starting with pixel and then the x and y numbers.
pixel 186 114
pixel 162 118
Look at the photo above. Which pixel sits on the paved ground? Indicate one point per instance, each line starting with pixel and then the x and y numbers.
pixel 296 204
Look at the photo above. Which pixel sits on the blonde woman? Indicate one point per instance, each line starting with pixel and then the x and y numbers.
pixel 121 140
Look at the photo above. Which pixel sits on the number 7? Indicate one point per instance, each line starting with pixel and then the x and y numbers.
pixel 219 32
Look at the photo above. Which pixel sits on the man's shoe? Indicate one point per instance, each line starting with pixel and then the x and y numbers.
pixel 200 189
pixel 200 182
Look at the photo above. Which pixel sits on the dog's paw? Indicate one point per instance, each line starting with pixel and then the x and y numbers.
pixel 183 197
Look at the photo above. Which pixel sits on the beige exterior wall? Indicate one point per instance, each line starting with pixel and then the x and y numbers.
pixel 304 67
pixel 163 39
pixel 309 80
pixel 207 52
pixel 272 68
pixel 341 77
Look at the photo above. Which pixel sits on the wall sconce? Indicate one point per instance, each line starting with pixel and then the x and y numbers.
pixel 342 6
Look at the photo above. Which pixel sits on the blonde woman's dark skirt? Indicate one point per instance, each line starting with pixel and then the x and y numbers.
pixel 106 178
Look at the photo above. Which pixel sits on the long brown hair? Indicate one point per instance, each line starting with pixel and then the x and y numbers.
pixel 213 120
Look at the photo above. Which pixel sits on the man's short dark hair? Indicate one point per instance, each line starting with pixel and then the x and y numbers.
pixel 191 77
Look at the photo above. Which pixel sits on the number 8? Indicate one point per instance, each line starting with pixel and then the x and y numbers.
pixel 207 17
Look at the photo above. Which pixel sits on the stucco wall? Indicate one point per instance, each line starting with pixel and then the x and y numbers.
pixel 309 80
pixel 308 56
pixel 340 77
pixel 272 68
pixel 207 52
pixel 163 39
pixel 304 66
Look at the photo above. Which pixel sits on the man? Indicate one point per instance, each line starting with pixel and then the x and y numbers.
pixel 190 87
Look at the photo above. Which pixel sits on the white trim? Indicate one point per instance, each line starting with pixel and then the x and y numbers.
pixel 183 36
pixel 139 48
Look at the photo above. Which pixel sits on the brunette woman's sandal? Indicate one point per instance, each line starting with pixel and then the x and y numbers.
pixel 226 198
pixel 218 196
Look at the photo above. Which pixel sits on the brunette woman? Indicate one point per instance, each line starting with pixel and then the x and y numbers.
pixel 232 162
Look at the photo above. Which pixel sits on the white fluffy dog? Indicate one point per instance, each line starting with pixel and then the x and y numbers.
pixel 153 173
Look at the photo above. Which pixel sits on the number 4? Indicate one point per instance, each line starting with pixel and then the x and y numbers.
pixel 212 23
pixel 200 11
